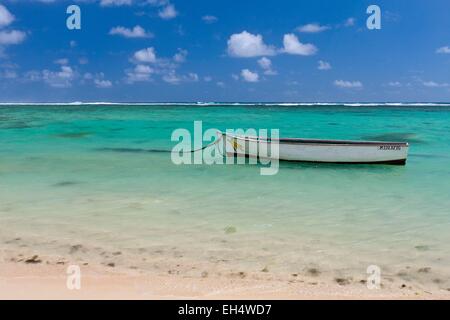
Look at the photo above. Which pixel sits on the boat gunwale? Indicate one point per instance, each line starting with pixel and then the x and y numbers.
pixel 319 141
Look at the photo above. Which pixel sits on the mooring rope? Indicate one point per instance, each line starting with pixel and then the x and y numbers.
pixel 204 147
pixel 135 150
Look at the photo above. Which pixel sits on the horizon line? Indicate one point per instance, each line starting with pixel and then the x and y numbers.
pixel 284 103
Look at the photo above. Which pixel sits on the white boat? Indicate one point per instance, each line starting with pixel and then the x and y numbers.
pixel 314 150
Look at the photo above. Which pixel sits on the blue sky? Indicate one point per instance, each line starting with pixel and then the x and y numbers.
pixel 169 50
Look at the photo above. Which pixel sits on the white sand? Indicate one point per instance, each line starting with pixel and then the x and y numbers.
pixel 48 281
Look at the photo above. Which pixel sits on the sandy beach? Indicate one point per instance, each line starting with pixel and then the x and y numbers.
pixel 45 277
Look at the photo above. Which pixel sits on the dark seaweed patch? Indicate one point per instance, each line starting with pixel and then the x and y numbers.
pixel 75 248
pixel 343 281
pixel 422 248
pixel 73 135
pixel 18 125
pixel 65 183
pixel 424 270
pixel 33 260
pixel 133 150
pixel 437 281
pixel 313 272
pixel 230 229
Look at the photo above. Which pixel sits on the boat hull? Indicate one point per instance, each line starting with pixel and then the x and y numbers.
pixel 324 151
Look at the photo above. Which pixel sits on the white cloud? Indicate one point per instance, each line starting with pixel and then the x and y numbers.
pixel 248 45
pixel 140 68
pixel 207 78
pixel 347 84
pixel 147 65
pixel 157 3
pixel 8 73
pixel 293 46
pixel 103 84
pixel 445 49
pixel 249 76
pixel 323 65
pixel 394 84
pixel 59 79
pixel 266 64
pixel 83 60
pixel 33 76
pixel 6 18
pixel 172 78
pixel 245 44
pixel 139 73
pixel 350 22
pixel 192 76
pixel 312 28
pixel 62 61
pixel 147 55
pixel 11 37
pixel 97 79
pixel 220 84
pixel 106 3
pixel 433 84
pixel 180 56
pixel 168 12
pixel 209 19
pixel 136 32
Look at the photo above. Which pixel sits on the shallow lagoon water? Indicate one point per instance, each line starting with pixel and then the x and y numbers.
pixel 74 174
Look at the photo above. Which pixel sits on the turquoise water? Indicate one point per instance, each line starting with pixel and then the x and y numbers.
pixel 85 174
